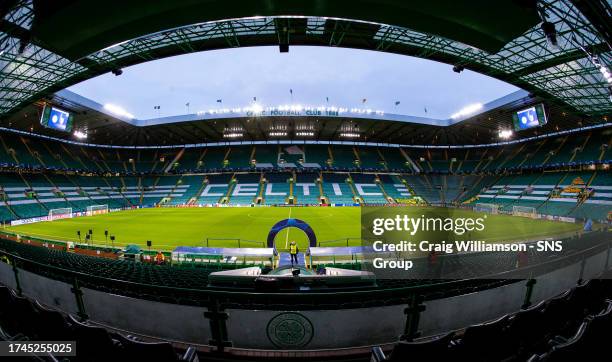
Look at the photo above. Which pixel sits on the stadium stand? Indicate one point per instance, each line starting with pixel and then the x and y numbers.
pixel 317 154
pixel 540 333
pixel 394 159
pixel 336 189
pixel 249 182
pixel 343 157
pixel 278 187
pixel 217 187
pixel 394 187
pixel 39 176
pixel 266 155
pixel 214 157
pixel 368 189
pixel 306 189
pixel 24 319
pixel 369 158
pixel 239 157
pixel 426 187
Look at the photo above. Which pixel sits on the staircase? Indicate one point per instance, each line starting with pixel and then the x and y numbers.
pixel 260 191
pixel 195 199
pixel 9 151
pixel 57 157
pixel 382 158
pixel 382 189
pixel 320 187
pixel 356 196
pixel 34 154
pixel 29 186
pixel 230 188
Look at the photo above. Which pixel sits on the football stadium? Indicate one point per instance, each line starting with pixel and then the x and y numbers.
pixel 195 180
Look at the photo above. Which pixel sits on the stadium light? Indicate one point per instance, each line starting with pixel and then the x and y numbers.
pixel 606 73
pixel 349 135
pixel 118 111
pixel 256 108
pixel 232 135
pixel 505 134
pixel 277 134
pixel 80 134
pixel 467 110
pixel 310 110
pixel 304 134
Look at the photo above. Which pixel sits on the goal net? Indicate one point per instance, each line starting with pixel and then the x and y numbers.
pixel 490 208
pixel 62 213
pixel 526 211
pixel 96 210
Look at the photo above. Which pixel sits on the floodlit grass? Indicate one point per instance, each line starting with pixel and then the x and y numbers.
pixel 168 228
pixel 171 227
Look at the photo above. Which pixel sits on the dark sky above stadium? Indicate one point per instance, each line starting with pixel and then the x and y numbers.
pixel 345 76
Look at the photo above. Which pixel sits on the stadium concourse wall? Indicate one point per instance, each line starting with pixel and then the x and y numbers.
pixel 248 327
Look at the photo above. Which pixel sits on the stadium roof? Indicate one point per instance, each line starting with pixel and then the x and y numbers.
pixel 296 125
pixel 46 46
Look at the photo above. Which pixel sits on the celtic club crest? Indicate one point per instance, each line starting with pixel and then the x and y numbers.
pixel 290 330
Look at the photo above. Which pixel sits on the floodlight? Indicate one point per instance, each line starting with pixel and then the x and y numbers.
pixel 232 135
pixel 117 110
pixel 467 110
pixel 606 73
pixel 505 134
pixel 550 32
pixel 80 135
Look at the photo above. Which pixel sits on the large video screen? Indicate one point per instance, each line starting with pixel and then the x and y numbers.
pixel 57 119
pixel 529 118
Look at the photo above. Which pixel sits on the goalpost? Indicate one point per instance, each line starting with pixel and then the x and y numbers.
pixel 526 211
pixel 61 213
pixel 490 208
pixel 96 210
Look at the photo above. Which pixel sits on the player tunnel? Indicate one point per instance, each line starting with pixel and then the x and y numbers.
pixel 295 223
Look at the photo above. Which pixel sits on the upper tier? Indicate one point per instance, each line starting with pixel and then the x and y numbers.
pixel 584 148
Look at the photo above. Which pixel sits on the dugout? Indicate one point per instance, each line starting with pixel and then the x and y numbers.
pixel 194 256
pixel 346 257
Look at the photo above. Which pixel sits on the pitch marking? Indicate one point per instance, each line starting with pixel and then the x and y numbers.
pixel 287 238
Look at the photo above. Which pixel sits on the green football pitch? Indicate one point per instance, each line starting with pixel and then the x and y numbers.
pixel 168 228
